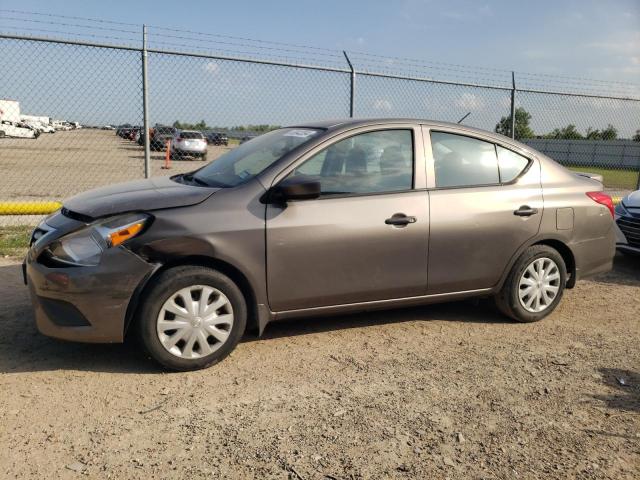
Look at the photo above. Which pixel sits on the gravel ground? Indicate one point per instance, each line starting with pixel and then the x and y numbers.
pixel 446 391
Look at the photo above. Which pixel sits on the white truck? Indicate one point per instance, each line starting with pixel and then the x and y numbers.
pixel 9 110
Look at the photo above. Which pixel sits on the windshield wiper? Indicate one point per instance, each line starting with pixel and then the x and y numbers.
pixel 190 177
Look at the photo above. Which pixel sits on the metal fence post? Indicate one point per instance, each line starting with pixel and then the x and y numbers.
pixel 145 105
pixel 513 105
pixel 353 85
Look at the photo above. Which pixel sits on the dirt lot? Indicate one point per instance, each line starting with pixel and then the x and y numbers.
pixel 448 391
pixel 55 166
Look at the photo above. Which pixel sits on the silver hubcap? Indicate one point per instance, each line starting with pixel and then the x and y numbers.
pixel 539 285
pixel 195 322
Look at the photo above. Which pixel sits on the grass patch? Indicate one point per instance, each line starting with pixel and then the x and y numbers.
pixel 618 179
pixel 14 241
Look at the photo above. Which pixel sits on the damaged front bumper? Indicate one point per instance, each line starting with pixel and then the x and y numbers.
pixel 84 303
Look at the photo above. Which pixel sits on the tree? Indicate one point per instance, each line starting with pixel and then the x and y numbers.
pixel 609 133
pixel 636 137
pixel 567 133
pixel 593 134
pixel 523 130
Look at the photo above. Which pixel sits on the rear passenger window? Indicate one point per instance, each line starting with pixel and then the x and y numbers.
pixel 511 164
pixel 463 161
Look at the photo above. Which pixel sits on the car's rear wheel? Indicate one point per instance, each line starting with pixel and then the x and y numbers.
pixel 534 286
pixel 191 318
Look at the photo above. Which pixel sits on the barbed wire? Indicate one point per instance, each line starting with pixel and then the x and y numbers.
pixel 51 15
pixel 308 53
pixel 81 35
pixel 261 47
pixel 246 39
pixel 310 60
pixel 93 27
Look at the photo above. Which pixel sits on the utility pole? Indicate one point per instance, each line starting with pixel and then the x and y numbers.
pixel 353 86
pixel 513 105
pixel 145 106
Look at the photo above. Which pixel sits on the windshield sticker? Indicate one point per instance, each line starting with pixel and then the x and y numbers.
pixel 299 133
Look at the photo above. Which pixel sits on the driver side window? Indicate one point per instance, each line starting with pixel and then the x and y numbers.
pixel 373 162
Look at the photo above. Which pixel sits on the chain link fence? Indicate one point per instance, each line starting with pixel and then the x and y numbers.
pixel 73 113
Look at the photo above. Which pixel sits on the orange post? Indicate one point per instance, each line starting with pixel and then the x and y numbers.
pixel 167 156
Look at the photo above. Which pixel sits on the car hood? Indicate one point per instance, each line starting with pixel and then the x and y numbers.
pixel 632 200
pixel 150 194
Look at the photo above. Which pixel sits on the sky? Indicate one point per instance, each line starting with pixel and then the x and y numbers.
pixel 584 38
pixel 591 44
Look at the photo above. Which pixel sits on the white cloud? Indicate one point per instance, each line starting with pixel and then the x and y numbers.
pixel 360 41
pixel 473 14
pixel 383 105
pixel 470 101
pixel 212 67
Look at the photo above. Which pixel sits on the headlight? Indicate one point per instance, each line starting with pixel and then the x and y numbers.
pixel 620 210
pixel 85 247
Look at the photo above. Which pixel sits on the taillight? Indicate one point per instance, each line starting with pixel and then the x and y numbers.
pixel 603 199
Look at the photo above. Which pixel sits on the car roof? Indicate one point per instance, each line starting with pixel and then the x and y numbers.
pixel 337 125
pixel 345 123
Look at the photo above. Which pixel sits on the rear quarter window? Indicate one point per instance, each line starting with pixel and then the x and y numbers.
pixel 511 164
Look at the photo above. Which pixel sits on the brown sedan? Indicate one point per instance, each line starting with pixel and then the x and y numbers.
pixel 317 219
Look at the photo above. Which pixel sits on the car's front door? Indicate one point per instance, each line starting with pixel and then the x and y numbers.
pixel 485 201
pixel 366 237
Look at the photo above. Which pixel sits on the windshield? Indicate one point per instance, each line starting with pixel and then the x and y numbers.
pixel 249 159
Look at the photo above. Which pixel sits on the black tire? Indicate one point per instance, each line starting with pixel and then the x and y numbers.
pixel 163 287
pixel 204 157
pixel 508 301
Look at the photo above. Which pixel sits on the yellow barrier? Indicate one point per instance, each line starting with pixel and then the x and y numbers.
pixel 28 208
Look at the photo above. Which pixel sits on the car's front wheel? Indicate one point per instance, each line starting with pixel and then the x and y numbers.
pixel 534 286
pixel 191 318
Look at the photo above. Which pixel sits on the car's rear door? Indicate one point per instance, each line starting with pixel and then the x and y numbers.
pixel 485 202
pixel 343 247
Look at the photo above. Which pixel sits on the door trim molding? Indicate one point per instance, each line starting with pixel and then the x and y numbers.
pixel 379 304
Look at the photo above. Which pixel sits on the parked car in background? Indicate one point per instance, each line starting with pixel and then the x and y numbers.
pixel 188 143
pixel 40 127
pixel 133 132
pixel 627 216
pixel 216 138
pixel 122 130
pixel 160 135
pixel 316 219
pixel 17 130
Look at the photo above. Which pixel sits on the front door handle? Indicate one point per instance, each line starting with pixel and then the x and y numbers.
pixel 400 220
pixel 525 211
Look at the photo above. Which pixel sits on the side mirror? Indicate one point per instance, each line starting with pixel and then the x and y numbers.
pixel 295 188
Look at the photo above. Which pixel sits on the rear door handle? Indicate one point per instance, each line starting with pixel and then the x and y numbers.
pixel 525 211
pixel 400 220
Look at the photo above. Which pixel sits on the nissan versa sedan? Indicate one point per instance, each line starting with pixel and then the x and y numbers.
pixel 312 220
